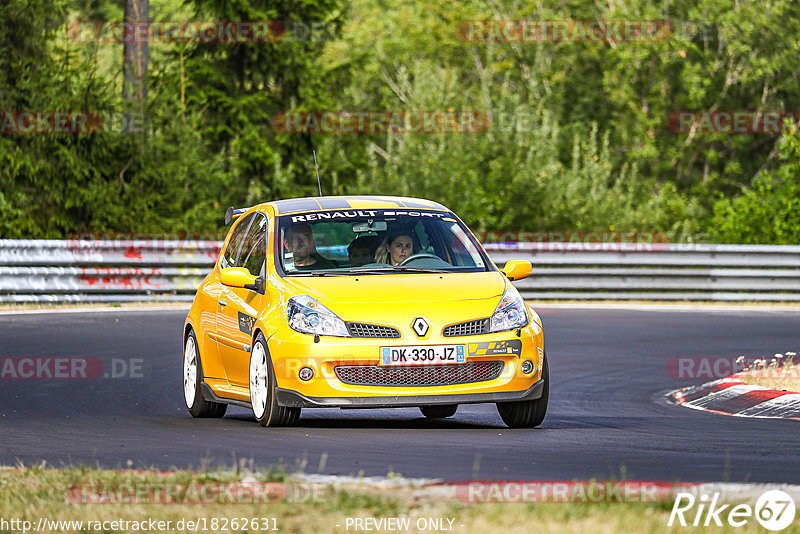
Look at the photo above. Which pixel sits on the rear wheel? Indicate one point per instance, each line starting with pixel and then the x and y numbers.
pixel 527 414
pixel 262 389
pixel 438 412
pixel 192 379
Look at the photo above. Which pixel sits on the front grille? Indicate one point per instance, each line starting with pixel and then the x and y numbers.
pixel 419 375
pixel 372 330
pixel 469 328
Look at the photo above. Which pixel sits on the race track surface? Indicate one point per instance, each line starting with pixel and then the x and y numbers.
pixel 606 416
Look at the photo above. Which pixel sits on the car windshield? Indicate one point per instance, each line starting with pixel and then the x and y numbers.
pixel 347 242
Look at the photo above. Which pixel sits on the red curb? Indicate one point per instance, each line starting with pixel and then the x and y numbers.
pixel 728 405
pixel 702 391
pixel 746 400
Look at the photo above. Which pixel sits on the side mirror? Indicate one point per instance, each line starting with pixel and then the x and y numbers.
pixel 517 270
pixel 241 277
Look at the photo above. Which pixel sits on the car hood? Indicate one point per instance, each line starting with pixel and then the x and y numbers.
pixel 398 299
pixel 399 288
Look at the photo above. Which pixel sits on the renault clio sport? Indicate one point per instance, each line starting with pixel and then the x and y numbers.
pixel 360 302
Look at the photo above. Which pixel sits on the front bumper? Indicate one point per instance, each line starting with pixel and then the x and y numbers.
pixel 290 351
pixel 290 398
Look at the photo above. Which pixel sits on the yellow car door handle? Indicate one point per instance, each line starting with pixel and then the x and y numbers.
pixel 222 303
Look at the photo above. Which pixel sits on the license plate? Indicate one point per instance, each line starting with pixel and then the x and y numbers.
pixel 422 355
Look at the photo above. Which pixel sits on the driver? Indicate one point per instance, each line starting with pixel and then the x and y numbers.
pixel 300 242
pixel 395 248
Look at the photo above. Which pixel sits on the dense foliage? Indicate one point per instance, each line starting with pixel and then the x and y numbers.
pixel 579 136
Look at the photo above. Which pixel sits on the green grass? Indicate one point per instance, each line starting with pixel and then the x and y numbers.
pixel 31 493
pixel 783 378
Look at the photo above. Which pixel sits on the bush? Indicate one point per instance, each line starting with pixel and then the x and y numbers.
pixel 769 210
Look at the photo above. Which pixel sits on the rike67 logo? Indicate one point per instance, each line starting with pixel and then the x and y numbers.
pixel 774 510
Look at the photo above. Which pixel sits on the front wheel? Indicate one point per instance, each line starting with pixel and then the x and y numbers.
pixel 192 379
pixel 438 412
pixel 527 414
pixel 262 389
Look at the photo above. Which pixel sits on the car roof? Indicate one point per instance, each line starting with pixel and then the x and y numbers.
pixel 359 202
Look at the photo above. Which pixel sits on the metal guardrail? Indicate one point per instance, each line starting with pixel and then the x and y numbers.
pixel 656 271
pixel 103 271
pixel 120 271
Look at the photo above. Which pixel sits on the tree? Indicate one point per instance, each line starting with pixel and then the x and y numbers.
pixel 239 87
pixel 136 54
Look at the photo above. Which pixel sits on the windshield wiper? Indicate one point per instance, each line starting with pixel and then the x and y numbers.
pixel 400 269
pixel 319 273
pixel 375 270
pixel 405 269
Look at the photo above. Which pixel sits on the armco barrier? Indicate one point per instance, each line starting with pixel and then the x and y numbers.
pixel 103 271
pixel 120 271
pixel 656 271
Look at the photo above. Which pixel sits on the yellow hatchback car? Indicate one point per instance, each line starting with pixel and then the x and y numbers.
pixel 360 302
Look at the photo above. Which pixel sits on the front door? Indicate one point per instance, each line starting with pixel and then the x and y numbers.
pixel 236 316
pixel 238 308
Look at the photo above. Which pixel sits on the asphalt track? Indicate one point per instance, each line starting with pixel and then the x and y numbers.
pixel 606 417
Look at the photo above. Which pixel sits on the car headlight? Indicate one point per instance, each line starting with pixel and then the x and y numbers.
pixel 510 313
pixel 308 316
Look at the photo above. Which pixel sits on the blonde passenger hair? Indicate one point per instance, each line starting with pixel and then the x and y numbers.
pixel 382 254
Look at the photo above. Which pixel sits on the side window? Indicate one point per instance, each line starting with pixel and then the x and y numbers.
pixel 254 249
pixel 465 252
pixel 422 237
pixel 235 243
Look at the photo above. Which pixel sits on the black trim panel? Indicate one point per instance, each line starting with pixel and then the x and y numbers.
pixel 287 397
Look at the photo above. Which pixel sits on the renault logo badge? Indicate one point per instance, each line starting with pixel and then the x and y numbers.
pixel 420 326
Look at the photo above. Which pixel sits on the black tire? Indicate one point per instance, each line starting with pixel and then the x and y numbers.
pixel 527 414
pixel 439 412
pixel 273 415
pixel 199 406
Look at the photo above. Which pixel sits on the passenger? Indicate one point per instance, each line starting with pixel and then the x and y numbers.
pixel 300 242
pixel 395 248
pixel 361 250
